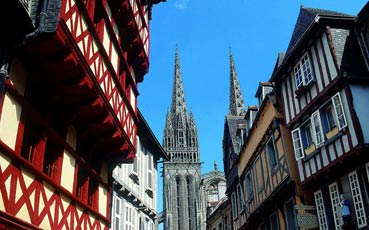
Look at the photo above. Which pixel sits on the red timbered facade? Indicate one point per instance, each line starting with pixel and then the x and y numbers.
pixel 68 112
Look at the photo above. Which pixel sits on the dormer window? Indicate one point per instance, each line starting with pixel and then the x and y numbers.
pixel 303 72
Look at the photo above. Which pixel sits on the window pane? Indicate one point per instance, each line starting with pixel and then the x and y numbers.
pixel 339 111
pixel 317 126
pixel 297 144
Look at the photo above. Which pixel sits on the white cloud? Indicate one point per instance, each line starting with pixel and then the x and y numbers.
pixel 181 4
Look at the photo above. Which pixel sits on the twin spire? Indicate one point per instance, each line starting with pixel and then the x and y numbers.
pixel 236 104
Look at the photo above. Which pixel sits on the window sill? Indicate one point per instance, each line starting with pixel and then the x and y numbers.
pixel 301 90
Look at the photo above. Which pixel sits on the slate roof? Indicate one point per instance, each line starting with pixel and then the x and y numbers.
pixel 305 18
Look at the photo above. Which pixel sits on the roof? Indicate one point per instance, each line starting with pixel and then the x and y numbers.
pixel 147 136
pixel 310 22
pixel 305 18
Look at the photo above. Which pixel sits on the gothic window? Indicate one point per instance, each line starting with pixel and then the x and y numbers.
pixel 178 183
pixel 181 138
pixel 189 199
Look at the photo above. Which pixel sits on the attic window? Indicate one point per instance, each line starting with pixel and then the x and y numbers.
pixel 303 72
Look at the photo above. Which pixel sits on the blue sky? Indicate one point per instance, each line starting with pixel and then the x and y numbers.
pixel 204 31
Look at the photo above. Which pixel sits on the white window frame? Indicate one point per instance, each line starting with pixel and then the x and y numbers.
pixel 150 166
pixel 335 202
pixel 320 210
pixel 339 111
pixel 357 199
pixel 303 72
pixel 297 144
pixel 316 127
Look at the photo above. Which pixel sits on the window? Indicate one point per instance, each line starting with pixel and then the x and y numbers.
pixel 250 192
pixel 259 176
pixel 317 128
pixel 130 218
pixel 335 202
pixel 320 209
pixel 117 213
pixel 289 209
pixel 272 153
pixel 241 201
pixel 82 183
pixel 274 225
pixel 336 100
pixel 297 144
pixel 303 72
pixel 308 134
pixel 149 171
pixel 234 205
pixel 357 199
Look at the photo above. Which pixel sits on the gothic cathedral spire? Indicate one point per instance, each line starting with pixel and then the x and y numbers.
pixel 236 104
pixel 178 98
pixel 182 173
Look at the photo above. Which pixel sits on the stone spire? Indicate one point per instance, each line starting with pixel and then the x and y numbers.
pixel 236 104
pixel 178 98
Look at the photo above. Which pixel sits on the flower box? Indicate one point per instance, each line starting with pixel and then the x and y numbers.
pixel 333 132
pixel 310 149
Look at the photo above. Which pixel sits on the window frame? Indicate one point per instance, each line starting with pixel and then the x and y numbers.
pixel 272 155
pixel 241 200
pixel 339 108
pixel 320 209
pixel 301 147
pixel 303 71
pixel 249 187
pixel 234 206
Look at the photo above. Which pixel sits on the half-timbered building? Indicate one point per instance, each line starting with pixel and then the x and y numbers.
pixel 68 112
pixel 267 170
pixel 322 84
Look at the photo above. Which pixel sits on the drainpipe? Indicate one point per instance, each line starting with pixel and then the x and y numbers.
pixel 4 72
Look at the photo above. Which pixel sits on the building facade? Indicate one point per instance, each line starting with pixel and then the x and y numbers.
pixel 135 191
pixel 273 198
pixel 68 113
pixel 322 84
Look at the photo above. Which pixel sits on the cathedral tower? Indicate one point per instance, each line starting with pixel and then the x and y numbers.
pixel 181 174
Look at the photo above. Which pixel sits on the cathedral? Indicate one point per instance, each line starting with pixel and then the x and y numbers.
pixel 188 194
